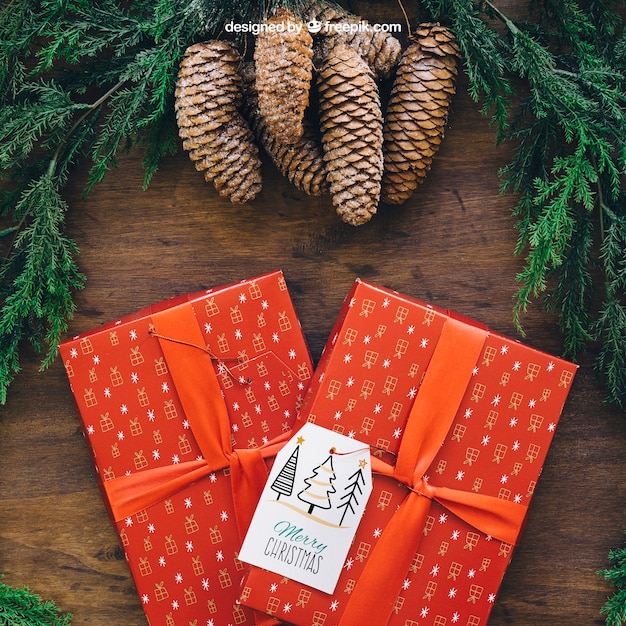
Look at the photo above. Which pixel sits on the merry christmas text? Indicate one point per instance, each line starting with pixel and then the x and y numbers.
pixel 307 556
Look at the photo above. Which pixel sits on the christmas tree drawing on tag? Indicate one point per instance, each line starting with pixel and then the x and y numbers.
pixel 317 490
pixel 319 486
pixel 310 508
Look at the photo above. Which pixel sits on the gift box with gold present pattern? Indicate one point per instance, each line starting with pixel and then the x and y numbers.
pixel 459 420
pixel 177 401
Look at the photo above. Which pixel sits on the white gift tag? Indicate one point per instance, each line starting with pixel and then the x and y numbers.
pixel 310 507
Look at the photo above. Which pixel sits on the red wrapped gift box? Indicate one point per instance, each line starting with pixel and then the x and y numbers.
pixel 178 402
pixel 459 419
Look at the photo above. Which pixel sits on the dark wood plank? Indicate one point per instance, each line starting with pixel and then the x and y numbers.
pixel 452 245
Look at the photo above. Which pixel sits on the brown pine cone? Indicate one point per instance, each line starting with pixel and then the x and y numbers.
pixel 302 162
pixel 284 68
pixel 417 111
pixel 351 123
pixel 380 49
pixel 219 142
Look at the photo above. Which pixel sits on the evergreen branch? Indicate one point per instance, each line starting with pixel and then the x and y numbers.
pixel 21 607
pixel 610 327
pixel 18 28
pixel 572 293
pixel 569 132
pixel 38 278
pixel 22 125
pixel 615 607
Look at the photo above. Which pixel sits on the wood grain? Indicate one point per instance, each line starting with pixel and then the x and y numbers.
pixel 451 245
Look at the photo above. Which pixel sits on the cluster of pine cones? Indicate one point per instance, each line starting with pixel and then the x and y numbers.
pixel 315 108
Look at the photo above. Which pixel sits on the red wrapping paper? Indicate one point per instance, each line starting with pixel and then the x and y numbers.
pixel 460 420
pixel 173 399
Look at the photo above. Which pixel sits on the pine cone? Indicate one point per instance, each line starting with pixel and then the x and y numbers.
pixel 417 111
pixel 351 123
pixel 380 49
pixel 284 69
pixel 301 162
pixel 208 92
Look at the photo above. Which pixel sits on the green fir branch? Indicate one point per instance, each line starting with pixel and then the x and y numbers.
pixel 568 127
pixel 22 607
pixel 615 607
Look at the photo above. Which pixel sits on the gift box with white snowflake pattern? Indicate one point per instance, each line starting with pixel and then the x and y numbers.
pixel 459 420
pixel 168 397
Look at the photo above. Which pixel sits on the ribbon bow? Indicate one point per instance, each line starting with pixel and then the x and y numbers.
pixel 432 414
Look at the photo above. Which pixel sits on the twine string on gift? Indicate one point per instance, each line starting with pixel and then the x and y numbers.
pixel 433 412
pixel 220 360
pixel 336 452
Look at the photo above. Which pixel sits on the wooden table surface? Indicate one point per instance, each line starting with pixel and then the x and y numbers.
pixel 451 245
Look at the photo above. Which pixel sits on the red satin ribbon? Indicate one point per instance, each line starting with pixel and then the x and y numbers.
pixel 432 414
